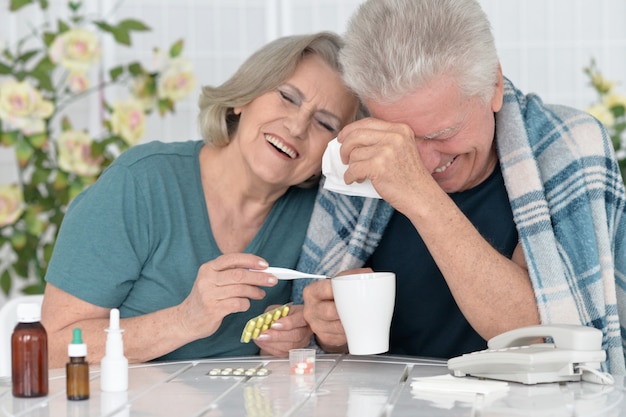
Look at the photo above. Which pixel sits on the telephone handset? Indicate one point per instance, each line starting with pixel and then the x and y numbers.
pixel 515 356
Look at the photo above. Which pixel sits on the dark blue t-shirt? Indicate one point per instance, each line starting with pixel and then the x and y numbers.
pixel 427 320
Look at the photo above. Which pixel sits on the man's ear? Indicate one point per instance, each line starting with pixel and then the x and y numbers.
pixel 498 92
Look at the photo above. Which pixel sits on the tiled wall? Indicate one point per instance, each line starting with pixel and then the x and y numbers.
pixel 543 44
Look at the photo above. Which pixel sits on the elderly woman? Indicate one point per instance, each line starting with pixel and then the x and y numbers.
pixel 170 233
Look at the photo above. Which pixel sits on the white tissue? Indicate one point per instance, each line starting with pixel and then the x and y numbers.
pixel 333 169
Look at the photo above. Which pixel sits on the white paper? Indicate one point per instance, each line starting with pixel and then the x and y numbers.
pixel 445 391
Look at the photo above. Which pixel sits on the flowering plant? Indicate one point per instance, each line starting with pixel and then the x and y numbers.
pixel 45 71
pixel 609 109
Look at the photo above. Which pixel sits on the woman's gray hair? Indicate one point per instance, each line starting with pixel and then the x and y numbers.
pixel 263 71
pixel 393 47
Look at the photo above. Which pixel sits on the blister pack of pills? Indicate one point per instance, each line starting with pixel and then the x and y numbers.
pixel 239 372
pixel 258 324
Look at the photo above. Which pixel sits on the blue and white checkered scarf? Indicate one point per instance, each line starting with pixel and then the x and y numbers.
pixel 568 203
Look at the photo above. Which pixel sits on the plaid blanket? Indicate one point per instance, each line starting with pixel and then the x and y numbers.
pixel 568 203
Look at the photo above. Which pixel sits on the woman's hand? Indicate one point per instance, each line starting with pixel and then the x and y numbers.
pixel 289 332
pixel 223 286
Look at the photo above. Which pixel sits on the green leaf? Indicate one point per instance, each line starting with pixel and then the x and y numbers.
pixel 104 26
pixel 34 225
pixel 5 69
pixel 43 79
pixel 121 36
pixel 63 27
pixel 74 6
pixel 5 282
pixel 26 56
pixel 18 240
pixel 133 24
pixel 43 4
pixel 66 124
pixel 617 110
pixel 34 288
pixel 18 4
pixel 21 267
pixel 177 48
pixel 40 176
pixel 116 72
pixel 38 140
pixel 7 55
pixel 136 69
pixel 47 252
pixel 48 38
pixel 9 138
pixel 20 75
pixel 23 151
pixel 44 65
pixel 75 189
pixel 165 105
pixel 98 148
pixel 60 180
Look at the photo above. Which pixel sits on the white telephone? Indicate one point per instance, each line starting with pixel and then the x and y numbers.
pixel 513 356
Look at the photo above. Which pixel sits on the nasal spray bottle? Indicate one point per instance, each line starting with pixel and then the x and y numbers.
pixel 114 365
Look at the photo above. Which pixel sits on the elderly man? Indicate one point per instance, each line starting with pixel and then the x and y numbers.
pixel 498 211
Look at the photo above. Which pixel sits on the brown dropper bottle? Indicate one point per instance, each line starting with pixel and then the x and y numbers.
pixel 77 369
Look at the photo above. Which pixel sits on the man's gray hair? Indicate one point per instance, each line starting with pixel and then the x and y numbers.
pixel 393 47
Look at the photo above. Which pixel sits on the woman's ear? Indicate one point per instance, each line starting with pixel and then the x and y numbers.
pixel 237 110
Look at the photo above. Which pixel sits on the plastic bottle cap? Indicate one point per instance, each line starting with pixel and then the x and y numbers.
pixel 28 312
pixel 77 348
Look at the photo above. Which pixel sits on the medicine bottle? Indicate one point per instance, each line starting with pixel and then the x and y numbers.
pixel 77 369
pixel 114 365
pixel 29 353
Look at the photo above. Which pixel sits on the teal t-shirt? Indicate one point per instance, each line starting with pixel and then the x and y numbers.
pixel 136 238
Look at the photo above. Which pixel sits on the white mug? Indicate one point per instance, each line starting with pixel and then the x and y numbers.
pixel 365 305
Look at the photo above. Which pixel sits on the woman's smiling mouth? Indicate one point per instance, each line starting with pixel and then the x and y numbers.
pixel 281 146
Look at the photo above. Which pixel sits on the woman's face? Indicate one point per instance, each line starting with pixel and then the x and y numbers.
pixel 282 134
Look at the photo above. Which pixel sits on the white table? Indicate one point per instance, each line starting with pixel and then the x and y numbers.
pixel 343 385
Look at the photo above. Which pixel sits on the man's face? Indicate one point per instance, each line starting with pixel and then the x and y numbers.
pixel 454 133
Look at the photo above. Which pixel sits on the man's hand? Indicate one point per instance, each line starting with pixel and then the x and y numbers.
pixel 321 314
pixel 388 154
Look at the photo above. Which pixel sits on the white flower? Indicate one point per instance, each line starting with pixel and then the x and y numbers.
pixel 76 50
pixel 23 107
pixel 601 84
pixel 129 120
pixel 613 100
pixel 78 82
pixel 177 79
pixel 602 113
pixel 75 154
pixel 11 204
